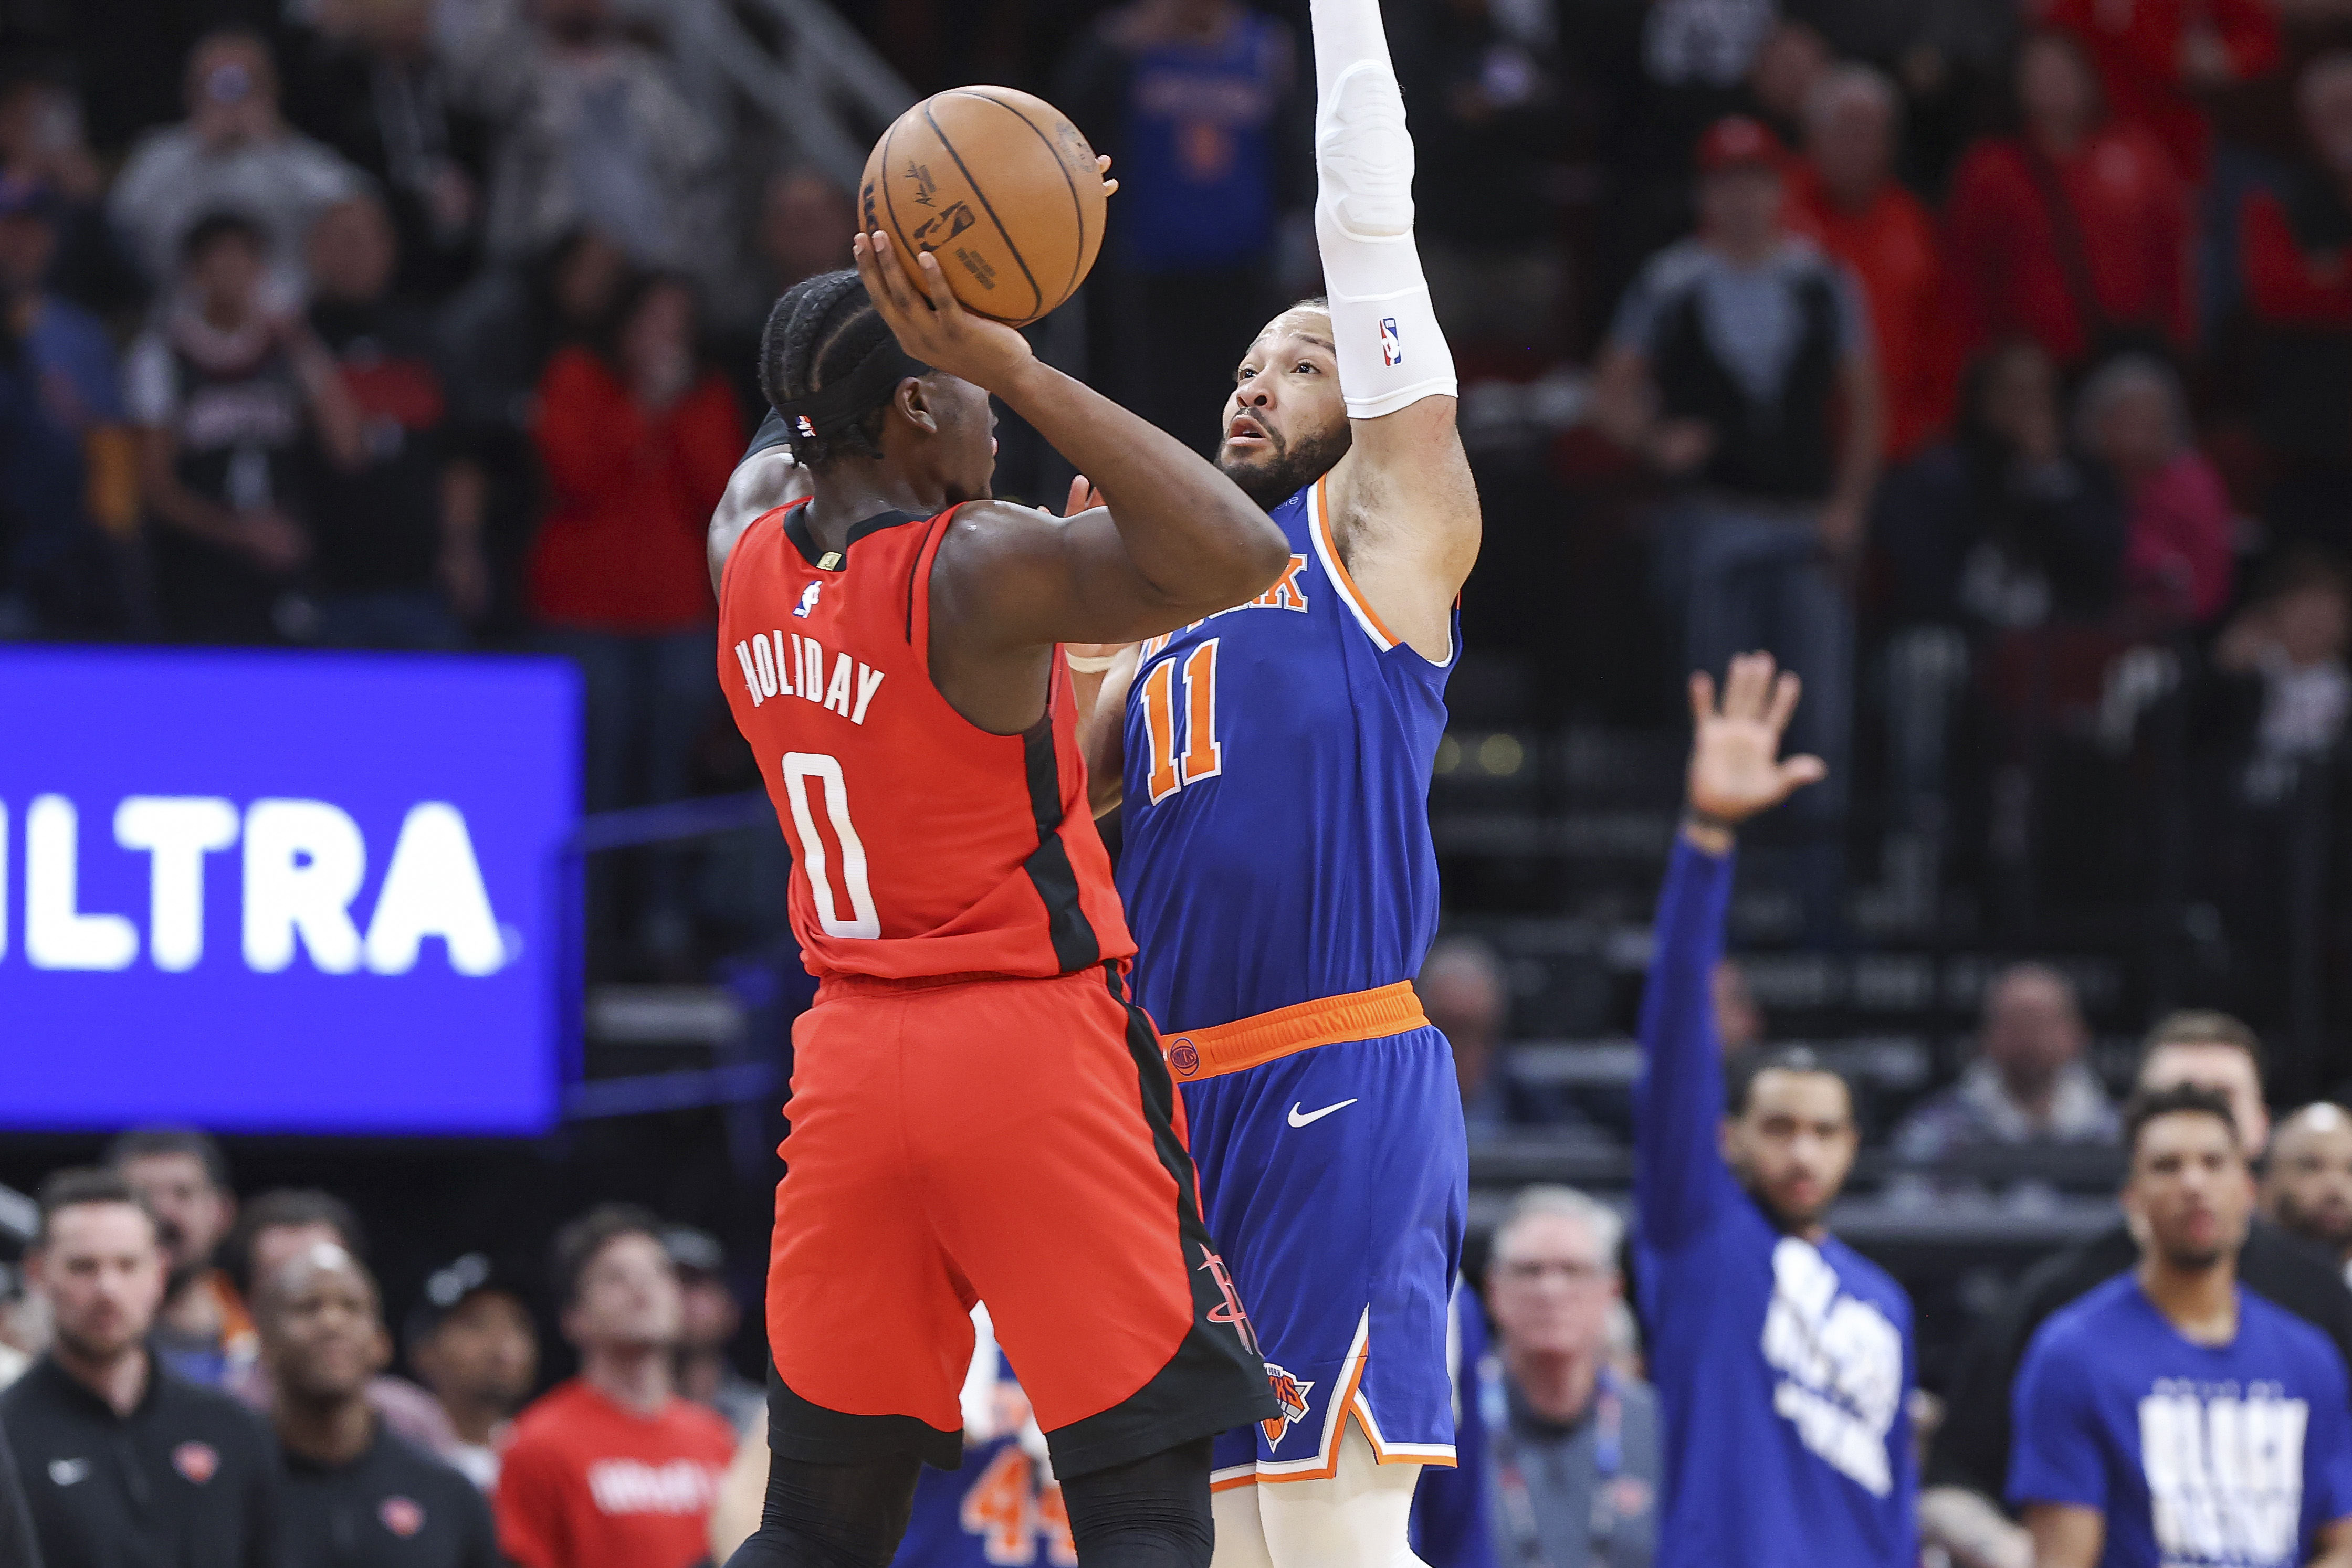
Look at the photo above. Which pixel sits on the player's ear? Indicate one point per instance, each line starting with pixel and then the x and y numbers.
pixel 914 404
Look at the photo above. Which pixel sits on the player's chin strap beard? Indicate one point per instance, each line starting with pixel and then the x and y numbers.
pixel 1289 469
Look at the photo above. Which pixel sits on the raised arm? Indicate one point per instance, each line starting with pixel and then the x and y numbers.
pixel 1735 772
pixel 1405 510
pixel 766 478
pixel 1174 540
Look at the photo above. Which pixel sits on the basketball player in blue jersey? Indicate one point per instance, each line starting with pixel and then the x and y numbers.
pixel 1277 870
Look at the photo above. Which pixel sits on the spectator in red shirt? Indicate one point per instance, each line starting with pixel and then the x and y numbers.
pixel 2156 57
pixel 613 1469
pixel 2074 233
pixel 2179 567
pixel 2295 251
pixel 1844 196
pixel 637 438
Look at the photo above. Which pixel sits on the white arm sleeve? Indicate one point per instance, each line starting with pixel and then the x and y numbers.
pixel 1392 353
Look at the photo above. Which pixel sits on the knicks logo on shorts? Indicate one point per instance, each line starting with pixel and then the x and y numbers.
pixel 1291 1395
pixel 1183 1057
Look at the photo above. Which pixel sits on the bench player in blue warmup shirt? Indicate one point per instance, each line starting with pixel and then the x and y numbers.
pixel 1277 869
pixel 2170 1419
pixel 1782 1357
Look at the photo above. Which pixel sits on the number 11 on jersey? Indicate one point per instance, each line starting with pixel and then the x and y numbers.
pixel 1201 755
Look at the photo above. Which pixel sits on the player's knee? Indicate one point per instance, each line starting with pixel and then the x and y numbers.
pixel 1152 1513
pixel 1360 1517
pixel 831 1516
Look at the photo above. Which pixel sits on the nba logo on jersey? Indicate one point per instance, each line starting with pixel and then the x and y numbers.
pixel 806 427
pixel 808 599
pixel 1391 349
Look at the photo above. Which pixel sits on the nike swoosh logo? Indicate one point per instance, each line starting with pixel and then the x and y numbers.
pixel 1298 1121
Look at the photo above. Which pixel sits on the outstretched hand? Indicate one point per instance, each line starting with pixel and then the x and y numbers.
pixel 931 323
pixel 1736 767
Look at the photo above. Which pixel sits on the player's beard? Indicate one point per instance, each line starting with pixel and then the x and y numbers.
pixel 2329 1228
pixel 1278 474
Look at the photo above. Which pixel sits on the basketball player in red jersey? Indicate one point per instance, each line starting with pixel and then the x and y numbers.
pixel 978 1111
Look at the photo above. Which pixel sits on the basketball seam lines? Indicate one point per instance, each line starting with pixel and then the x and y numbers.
pixel 1037 294
pixel 1077 206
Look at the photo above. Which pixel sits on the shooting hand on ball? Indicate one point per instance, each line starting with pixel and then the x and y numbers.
pixel 1736 767
pixel 931 323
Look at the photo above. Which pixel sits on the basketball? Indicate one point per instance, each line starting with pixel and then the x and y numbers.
pixel 1001 186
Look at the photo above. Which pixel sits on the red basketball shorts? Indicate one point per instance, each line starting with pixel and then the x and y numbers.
pixel 1012 1141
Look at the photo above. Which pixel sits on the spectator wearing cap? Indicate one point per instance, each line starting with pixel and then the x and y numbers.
pixel 121 1460
pixel 613 1469
pixel 1843 195
pixel 234 152
pixel 2075 231
pixel 2029 1085
pixel 203 1331
pixel 356 1495
pixel 1740 369
pixel 472 1340
pixel 270 1231
pixel 709 1316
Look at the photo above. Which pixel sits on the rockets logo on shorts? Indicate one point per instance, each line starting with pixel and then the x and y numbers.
pixel 1291 1393
pixel 808 599
pixel 1392 346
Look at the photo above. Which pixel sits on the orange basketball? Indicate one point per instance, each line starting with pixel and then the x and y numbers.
pixel 1000 187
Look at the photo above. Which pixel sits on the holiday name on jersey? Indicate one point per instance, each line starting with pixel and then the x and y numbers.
pixel 776 664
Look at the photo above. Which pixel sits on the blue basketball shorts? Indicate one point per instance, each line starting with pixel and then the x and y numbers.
pixel 1335 1180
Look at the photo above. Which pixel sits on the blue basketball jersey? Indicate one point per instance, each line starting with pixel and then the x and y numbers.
pixel 1276 827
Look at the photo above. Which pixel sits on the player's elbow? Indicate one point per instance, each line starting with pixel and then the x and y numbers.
pixel 1250 553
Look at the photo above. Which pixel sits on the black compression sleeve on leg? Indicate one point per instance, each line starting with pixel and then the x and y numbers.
pixel 1152 1513
pixel 832 1516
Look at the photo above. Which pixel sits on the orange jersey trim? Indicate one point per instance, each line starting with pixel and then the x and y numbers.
pixel 1321 511
pixel 1197 1054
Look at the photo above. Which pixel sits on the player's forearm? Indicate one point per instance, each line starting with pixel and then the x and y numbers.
pixel 1679 1099
pixel 1189 532
pixel 1971 1530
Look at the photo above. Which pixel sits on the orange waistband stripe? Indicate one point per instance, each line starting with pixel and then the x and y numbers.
pixel 1198 1053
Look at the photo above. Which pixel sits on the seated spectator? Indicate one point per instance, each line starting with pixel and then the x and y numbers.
pixel 2075 231
pixel 369 84
pixel 2308 1183
pixel 233 153
pixel 203 1331
pixel 1462 990
pixel 2293 246
pixel 709 1315
pixel 1739 367
pixel 1573 1443
pixel 613 1467
pixel 270 1231
pixel 805 226
pixel 2029 1084
pixel 589 130
pixel 1844 196
pixel 1968 1462
pixel 229 398
pixel 353 1489
pixel 2168 1415
pixel 42 146
pixel 638 440
pixel 2284 653
pixel 69 468
pixel 2157 59
pixel 397 540
pixel 109 1443
pixel 2179 558
pixel 2003 526
pixel 472 1341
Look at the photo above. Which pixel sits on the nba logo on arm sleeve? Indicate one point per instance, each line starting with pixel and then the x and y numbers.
pixel 1392 349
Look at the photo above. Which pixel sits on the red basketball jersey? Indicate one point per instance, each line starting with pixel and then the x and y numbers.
pixel 922 845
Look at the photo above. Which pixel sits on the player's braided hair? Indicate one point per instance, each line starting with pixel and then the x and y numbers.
pixel 819 331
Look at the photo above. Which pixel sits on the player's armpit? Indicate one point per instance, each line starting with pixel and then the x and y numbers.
pixel 762 482
pixel 1406 520
pixel 2066 1535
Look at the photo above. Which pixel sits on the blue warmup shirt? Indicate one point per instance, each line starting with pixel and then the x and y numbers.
pixel 1781 1366
pixel 2218 1456
pixel 1196 175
